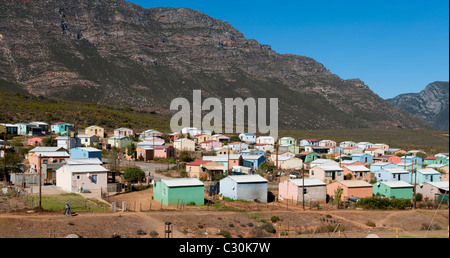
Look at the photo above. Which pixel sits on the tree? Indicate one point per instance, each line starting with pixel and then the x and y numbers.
pixel 421 155
pixel 134 174
pixel 131 149
pixel 337 196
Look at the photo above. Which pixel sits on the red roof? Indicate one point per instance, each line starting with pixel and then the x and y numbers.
pixel 371 149
pixel 431 157
pixel 198 162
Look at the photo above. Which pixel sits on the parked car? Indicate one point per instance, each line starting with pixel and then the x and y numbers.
pixel 294 175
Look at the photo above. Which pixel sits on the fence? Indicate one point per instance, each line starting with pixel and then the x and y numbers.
pixel 17 199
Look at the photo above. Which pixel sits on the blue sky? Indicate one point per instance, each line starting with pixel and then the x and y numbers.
pixel 394 46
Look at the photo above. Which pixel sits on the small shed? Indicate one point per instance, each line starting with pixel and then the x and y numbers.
pixel 433 190
pixel 171 191
pixel 244 187
pixel 314 190
pixel 76 178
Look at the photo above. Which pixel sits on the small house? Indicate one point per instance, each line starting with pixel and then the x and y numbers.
pixel 88 139
pixel 364 145
pixel 62 128
pixel 238 146
pixel 244 187
pixel 228 161
pixel 374 152
pixel 45 127
pixel 266 140
pixel 253 161
pixel 149 134
pixel 264 147
pixel 350 188
pixel 392 174
pixel 312 189
pixel 327 173
pixel 123 132
pixel 307 156
pixel 36 141
pixel 184 144
pixel 358 172
pixel 164 151
pixel 425 175
pixel 352 150
pixel 68 142
pixel 346 144
pixel 198 168
pixel 287 141
pixel 120 141
pixel 312 142
pixel 434 160
pixel 173 191
pixel 381 165
pixel 220 137
pixel 394 189
pixel 80 178
pixel 85 153
pixel 364 158
pixel 411 159
pixel 434 190
pixel 95 130
pixel 289 148
pixel 248 137
pixel 292 164
pixel 210 145
pixel 202 138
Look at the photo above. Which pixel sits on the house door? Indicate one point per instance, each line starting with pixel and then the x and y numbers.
pixel 74 186
pixel 333 176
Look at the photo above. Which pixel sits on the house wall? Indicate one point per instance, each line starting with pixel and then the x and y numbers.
pixel 95 130
pixel 319 173
pixel 187 145
pixel 173 195
pixel 293 163
pixel 398 193
pixel 360 192
pixel 83 154
pixel 383 175
pixel 243 191
pixel 288 190
pixel 73 182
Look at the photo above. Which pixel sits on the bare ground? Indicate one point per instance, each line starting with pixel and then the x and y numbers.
pixel 145 215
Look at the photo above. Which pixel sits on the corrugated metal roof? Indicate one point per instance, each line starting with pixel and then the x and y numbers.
pixel 178 182
pixel 46 149
pixel 308 182
pixel 396 184
pixel 330 168
pixel 354 183
pixel 248 178
pixel 88 161
pixel 357 168
pixel 428 171
pixel 396 170
pixel 53 154
pixel 444 185
pixel 85 168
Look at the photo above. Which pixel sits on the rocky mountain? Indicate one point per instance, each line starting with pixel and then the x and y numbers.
pixel 115 52
pixel 431 104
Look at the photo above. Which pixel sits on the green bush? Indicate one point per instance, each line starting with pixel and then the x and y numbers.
pixel 268 227
pixel 274 219
pixel 377 203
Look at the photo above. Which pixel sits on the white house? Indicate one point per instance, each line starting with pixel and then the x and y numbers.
pixel 364 145
pixel 265 140
pixel 88 139
pixel 77 178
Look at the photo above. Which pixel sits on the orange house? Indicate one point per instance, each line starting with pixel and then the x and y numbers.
pixel 394 159
pixel 351 188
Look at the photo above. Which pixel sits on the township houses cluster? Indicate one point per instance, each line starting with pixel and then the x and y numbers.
pixel 359 169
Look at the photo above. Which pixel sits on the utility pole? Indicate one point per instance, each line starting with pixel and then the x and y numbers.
pixel 40 183
pixel 303 188
pixel 4 154
pixel 415 184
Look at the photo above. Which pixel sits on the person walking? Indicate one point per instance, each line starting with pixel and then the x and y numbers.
pixel 67 211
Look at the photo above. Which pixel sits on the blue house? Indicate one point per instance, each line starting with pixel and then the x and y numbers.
pixel 28 129
pixel 62 128
pixel 381 165
pixel 411 159
pixel 393 174
pixel 85 153
pixel 364 158
pixel 244 187
pixel 252 152
pixel 426 175
pixel 248 137
pixel 253 161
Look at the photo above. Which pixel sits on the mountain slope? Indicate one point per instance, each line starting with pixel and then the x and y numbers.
pixel 431 104
pixel 114 52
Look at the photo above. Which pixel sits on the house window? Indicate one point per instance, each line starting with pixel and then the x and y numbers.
pixel 78 177
pixel 94 179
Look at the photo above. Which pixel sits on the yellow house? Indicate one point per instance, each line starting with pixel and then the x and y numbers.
pixel 95 130
pixel 202 138
pixel 199 168
pixel 225 151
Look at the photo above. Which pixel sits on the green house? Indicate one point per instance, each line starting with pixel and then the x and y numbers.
pixel 308 156
pixel 172 191
pixel 393 189
pixel 434 160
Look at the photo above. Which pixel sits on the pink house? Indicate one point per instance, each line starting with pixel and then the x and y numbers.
pixel 211 145
pixel 36 141
pixel 164 151
pixel 122 132
pixel 394 159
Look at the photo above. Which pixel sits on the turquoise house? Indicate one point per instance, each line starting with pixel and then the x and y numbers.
pixel 434 160
pixel 411 159
pixel 394 189
pixel 62 128
pixel 173 191
pixel 426 175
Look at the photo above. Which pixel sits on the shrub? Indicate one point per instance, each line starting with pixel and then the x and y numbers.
pixel 377 203
pixel 154 234
pixel 268 227
pixel 224 233
pixel 274 219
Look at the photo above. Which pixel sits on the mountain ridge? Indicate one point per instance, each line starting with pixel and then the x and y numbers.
pixel 115 52
pixel 431 104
